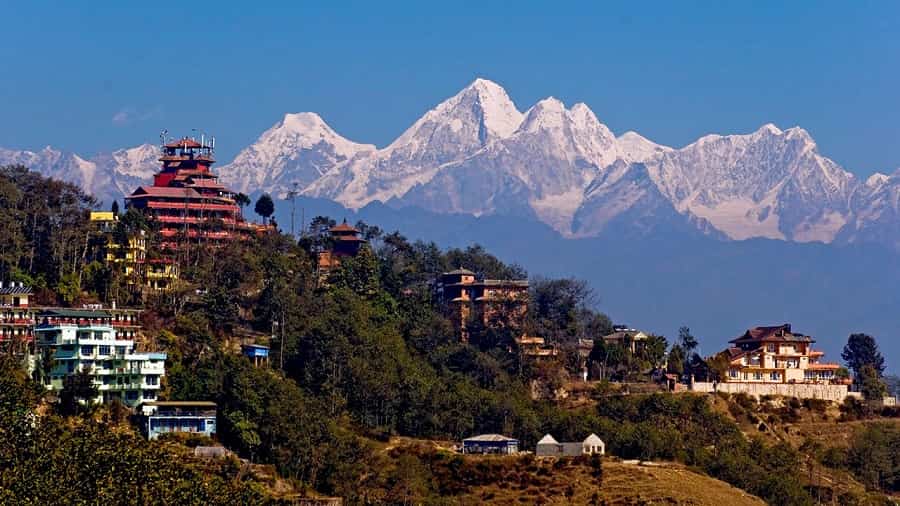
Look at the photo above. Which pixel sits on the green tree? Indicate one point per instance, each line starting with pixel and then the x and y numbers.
pixel 265 206
pixel 242 200
pixel 78 393
pixel 862 350
pixel 871 385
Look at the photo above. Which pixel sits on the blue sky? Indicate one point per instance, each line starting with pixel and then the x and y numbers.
pixel 109 75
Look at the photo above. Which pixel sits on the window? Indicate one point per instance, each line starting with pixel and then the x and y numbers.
pixel 87 351
pixel 774 376
pixel 107 380
pixel 733 373
pixel 131 395
pixel 120 350
pixel 87 364
pixel 152 380
pixel 149 394
pixel 98 336
pixel 770 347
pixel 103 350
pixel 757 375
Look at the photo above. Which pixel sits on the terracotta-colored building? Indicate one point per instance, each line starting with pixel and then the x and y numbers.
pixel 345 241
pixel 187 199
pixel 489 302
pixel 776 354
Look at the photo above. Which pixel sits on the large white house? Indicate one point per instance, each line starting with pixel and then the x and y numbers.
pixel 68 341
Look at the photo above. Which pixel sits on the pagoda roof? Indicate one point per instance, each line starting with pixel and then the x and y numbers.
pixel 344 227
pixel 184 142
pixel 780 333
pixel 164 191
pixel 460 272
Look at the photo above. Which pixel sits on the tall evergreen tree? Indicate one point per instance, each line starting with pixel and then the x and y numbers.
pixel 862 350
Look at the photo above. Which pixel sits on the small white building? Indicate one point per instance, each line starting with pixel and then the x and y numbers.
pixel 550 447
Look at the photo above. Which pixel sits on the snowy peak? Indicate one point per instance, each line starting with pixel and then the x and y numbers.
pixel 140 161
pixel 294 152
pixel 634 147
pixel 480 113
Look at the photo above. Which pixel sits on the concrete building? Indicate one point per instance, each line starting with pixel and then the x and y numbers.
pixel 187 200
pixel 490 444
pixel 550 447
pixel 16 316
pixel 68 341
pixel 776 354
pixel 195 417
pixel 630 339
pixel 485 303
pixel 130 254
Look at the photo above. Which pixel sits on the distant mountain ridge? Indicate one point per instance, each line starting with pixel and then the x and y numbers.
pixel 476 153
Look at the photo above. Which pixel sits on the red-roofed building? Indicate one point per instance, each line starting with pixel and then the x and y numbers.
pixel 345 241
pixel 776 354
pixel 187 199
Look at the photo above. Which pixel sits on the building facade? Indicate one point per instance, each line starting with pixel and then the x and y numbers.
pixel 776 354
pixel 345 242
pixel 550 447
pixel 129 254
pixel 193 417
pixel 16 315
pixel 187 200
pixel 69 341
pixel 484 303
pixel 490 444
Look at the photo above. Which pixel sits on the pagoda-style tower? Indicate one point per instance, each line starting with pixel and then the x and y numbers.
pixel 187 199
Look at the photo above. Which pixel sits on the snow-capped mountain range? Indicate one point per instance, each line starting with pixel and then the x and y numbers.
pixel 476 153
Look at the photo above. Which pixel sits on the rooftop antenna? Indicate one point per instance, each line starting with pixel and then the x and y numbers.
pixel 162 137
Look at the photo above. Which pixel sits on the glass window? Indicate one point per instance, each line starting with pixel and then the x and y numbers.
pixel 770 347
pixel 98 335
pixel 149 394
pixel 733 373
pixel 120 350
pixel 103 350
pixel 757 375
pixel 131 395
pixel 774 376
pixel 87 351
pixel 152 380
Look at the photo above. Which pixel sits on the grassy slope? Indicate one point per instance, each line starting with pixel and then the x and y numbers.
pixel 623 483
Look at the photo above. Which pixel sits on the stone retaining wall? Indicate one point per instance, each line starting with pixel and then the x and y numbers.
pixel 836 393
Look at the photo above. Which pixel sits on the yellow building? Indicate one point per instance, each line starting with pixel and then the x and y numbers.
pixel 777 355
pixel 140 272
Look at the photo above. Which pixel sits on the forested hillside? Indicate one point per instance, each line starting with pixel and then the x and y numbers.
pixel 359 356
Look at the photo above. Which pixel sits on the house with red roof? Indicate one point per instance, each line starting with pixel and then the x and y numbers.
pixel 777 354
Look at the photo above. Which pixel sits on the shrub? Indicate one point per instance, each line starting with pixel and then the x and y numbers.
pixel 745 401
pixel 816 405
pixel 794 403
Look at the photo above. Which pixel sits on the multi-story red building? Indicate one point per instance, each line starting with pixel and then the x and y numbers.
pixel 187 199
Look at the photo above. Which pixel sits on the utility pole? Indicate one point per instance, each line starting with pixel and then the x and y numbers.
pixel 293 196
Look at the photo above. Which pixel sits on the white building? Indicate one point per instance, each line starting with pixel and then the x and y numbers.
pixel 550 447
pixel 68 341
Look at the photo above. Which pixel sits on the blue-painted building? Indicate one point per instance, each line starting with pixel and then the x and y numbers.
pixel 258 353
pixel 491 444
pixel 161 417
